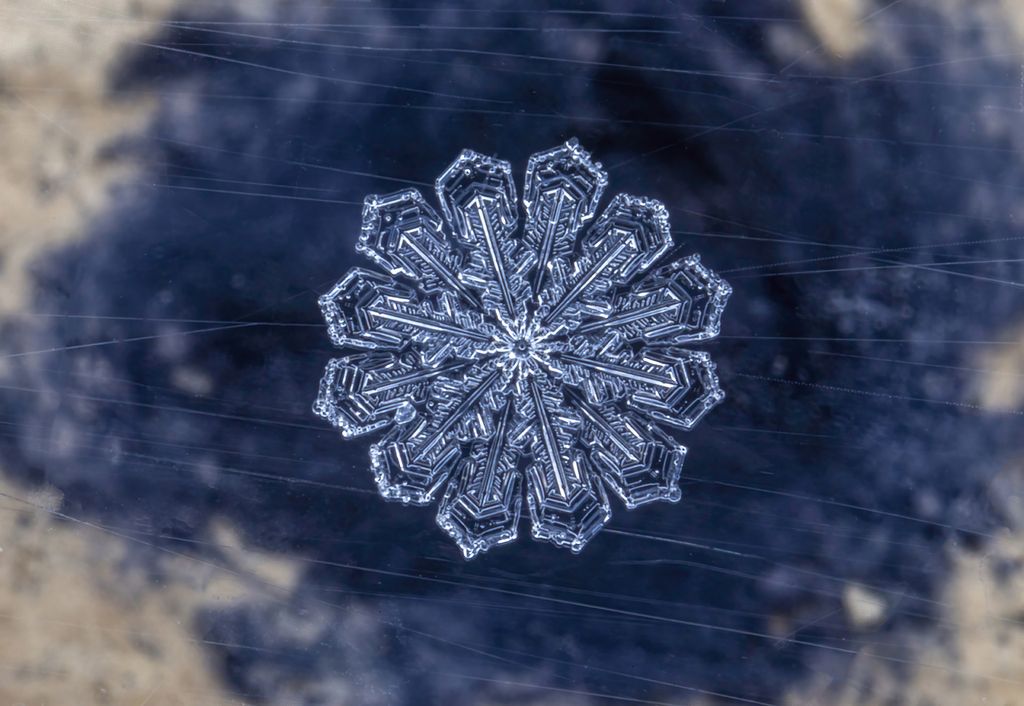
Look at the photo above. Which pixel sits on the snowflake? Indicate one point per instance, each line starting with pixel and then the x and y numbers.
pixel 548 360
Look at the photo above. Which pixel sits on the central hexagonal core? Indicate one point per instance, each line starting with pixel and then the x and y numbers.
pixel 521 348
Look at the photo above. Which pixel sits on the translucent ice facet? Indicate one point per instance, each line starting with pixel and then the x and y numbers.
pixel 543 366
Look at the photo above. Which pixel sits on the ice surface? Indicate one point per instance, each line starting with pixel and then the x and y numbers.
pixel 546 364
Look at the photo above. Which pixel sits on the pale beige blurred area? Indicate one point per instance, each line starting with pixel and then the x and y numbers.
pixel 838 24
pixel 840 30
pixel 79 626
pixel 1000 379
pixel 57 118
pixel 974 655
pixel 76 627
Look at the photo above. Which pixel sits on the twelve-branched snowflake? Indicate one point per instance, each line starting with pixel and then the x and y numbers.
pixel 549 357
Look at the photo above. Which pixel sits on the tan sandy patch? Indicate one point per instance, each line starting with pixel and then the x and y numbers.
pixel 974 654
pixel 838 25
pixel 1000 381
pixel 56 118
pixel 80 628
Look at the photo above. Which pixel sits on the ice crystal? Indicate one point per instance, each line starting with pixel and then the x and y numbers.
pixel 549 360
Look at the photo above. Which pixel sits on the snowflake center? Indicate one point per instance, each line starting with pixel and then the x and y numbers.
pixel 523 348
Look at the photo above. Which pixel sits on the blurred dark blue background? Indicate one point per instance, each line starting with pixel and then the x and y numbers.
pixel 863 207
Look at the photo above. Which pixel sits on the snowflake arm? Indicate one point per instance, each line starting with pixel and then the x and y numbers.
pixel 404 235
pixel 678 303
pixel 413 461
pixel 370 310
pixel 479 202
pixel 481 506
pixel 363 393
pixel 638 462
pixel 628 237
pixel 562 189
pixel 567 503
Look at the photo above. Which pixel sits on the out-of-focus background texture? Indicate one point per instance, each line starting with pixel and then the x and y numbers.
pixel 178 182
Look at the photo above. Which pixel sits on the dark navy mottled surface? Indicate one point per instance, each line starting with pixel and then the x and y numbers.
pixel 827 462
